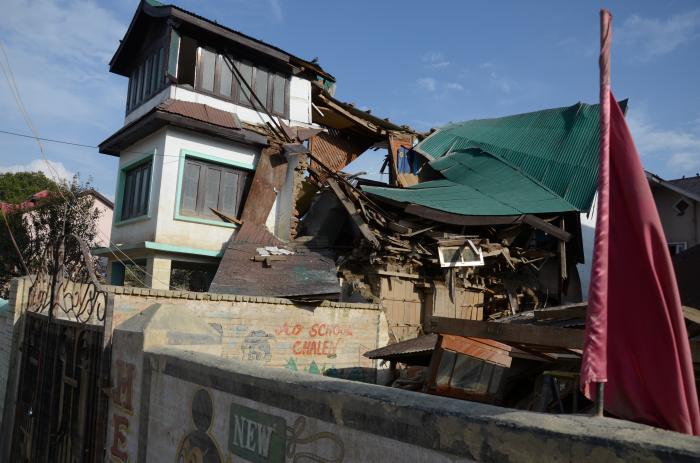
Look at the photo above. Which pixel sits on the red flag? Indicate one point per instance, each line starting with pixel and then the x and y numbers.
pixel 636 341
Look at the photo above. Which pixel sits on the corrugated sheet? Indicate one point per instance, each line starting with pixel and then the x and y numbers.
pixel 335 150
pixel 558 148
pixel 201 112
pixel 477 183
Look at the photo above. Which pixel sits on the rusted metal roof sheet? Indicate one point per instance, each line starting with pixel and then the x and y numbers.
pixel 335 150
pixel 201 112
pixel 305 274
pixel 422 344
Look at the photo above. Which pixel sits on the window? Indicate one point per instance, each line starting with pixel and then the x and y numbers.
pixel 146 79
pixel 214 75
pixel 465 255
pixel 207 186
pixel 137 186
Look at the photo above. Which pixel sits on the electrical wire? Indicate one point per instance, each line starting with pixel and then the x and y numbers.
pixel 14 89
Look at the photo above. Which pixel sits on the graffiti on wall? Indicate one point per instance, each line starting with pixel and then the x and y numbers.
pixel 319 339
pixel 260 437
pixel 122 405
pixel 254 436
pixel 198 446
pixel 256 346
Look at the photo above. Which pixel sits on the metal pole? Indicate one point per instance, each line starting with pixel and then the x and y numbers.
pixel 599 399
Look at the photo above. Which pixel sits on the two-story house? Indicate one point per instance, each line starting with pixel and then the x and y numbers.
pixel 199 109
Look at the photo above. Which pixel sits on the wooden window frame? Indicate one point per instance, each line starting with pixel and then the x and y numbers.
pixel 121 190
pixel 225 164
pixel 236 88
pixel 145 73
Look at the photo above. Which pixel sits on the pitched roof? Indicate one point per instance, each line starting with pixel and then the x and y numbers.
pixel 688 187
pixel 556 148
pixel 159 10
pixel 540 162
pixel 477 183
pixel 690 184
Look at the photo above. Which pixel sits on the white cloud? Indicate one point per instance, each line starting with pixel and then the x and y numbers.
pixel 435 60
pixel 454 86
pixel 678 150
pixel 686 163
pixel 59 53
pixel 276 9
pixel 656 37
pixel 427 83
pixel 39 165
pixel 500 82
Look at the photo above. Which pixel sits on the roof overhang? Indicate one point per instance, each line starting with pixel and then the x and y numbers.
pixel 199 26
pixel 656 180
pixel 158 118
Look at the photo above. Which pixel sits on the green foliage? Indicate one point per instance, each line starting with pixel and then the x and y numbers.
pixel 16 187
pixel 38 232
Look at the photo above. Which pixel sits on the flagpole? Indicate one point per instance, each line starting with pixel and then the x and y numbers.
pixel 604 170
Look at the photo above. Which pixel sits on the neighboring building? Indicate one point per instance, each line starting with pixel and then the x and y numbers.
pixel 678 203
pixel 193 135
pixel 104 223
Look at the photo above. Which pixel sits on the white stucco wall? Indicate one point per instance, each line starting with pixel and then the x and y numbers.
pixel 143 229
pixel 104 224
pixel 180 232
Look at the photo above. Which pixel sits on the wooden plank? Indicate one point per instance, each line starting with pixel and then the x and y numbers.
pixel 354 214
pixel 269 177
pixel 547 227
pixel 563 312
pixel 691 314
pixel 509 333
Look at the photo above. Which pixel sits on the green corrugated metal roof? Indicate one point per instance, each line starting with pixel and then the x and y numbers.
pixel 558 148
pixel 477 183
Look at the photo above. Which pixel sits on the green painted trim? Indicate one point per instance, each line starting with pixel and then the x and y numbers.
pixel 184 154
pixel 185 218
pixel 216 159
pixel 121 181
pixel 181 249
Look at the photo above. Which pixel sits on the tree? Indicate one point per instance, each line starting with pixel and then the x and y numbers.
pixel 16 187
pixel 68 211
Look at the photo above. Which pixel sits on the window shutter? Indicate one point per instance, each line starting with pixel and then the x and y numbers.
pixel 190 183
pixel 226 78
pixel 229 193
pixel 211 191
pixel 207 68
pixel 278 93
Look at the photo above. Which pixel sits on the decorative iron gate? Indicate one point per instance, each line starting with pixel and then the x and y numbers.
pixel 61 408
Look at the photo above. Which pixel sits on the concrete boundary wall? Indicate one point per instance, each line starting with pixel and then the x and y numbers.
pixel 362 422
pixel 326 338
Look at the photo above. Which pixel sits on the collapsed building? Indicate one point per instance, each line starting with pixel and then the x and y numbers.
pixel 231 171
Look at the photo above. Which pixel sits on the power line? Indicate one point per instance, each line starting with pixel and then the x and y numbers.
pixel 80 145
pixel 14 89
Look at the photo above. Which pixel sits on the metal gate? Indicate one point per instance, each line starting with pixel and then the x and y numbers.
pixel 61 408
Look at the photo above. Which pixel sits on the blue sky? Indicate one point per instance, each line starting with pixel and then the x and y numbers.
pixel 419 63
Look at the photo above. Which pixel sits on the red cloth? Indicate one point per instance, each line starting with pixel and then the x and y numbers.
pixel 635 332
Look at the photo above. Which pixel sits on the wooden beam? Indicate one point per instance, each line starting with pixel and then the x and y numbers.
pixel 509 333
pixel 546 227
pixel 269 177
pixel 354 213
